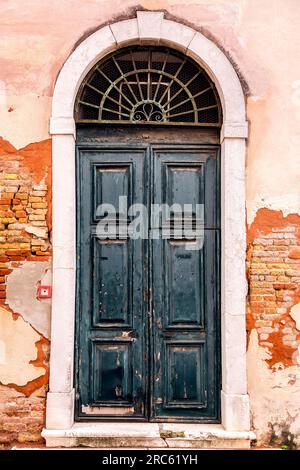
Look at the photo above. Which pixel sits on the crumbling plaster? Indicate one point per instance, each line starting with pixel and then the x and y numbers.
pixel 21 294
pixel 274 397
pixel 18 349
pixel 295 314
pixel 273 357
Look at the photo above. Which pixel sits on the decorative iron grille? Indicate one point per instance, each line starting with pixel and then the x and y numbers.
pixel 148 85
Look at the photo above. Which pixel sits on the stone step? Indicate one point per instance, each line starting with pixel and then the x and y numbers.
pixel 148 435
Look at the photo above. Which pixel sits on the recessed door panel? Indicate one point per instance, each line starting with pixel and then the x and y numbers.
pixel 183 183
pixel 112 282
pixel 189 177
pixel 112 376
pixel 184 285
pixel 186 382
pixel 111 182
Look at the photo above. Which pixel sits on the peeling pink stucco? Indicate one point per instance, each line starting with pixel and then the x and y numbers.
pixel 18 349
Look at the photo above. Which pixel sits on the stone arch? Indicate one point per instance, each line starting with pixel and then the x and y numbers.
pixel 148 28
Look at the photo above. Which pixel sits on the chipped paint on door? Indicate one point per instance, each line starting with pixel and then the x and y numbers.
pixel 148 310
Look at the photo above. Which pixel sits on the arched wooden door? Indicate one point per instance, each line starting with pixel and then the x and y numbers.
pixel 147 308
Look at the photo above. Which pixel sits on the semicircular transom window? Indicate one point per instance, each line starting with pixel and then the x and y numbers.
pixel 148 86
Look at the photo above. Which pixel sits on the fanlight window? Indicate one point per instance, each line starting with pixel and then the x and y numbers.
pixel 148 85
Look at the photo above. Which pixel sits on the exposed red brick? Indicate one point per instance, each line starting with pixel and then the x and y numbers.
pixel 6 147
pixel 4 272
pixel 294 253
pixel 13 252
pixel 273 290
pixel 20 214
pixel 5 202
pixel 266 219
pixel 38 161
pixel 278 286
pixel 36 257
pixel 22 419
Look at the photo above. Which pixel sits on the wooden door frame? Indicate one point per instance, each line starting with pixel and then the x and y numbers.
pixel 149 27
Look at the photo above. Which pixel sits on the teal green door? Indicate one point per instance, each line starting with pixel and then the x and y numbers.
pixel 147 309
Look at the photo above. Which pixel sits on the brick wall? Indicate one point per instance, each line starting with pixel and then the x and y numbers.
pixel 273 264
pixel 24 201
pixel 21 418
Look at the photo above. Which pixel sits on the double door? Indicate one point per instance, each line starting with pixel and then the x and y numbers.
pixel 147 330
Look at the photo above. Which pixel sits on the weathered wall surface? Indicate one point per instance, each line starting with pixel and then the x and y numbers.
pixel 262 41
pixel 25 221
pixel 273 262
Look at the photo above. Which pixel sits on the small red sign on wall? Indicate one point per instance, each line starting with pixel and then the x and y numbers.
pixel 44 292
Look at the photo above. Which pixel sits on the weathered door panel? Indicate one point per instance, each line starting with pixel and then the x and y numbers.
pixel 148 310
pixel 185 292
pixel 111 323
pixel 188 176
